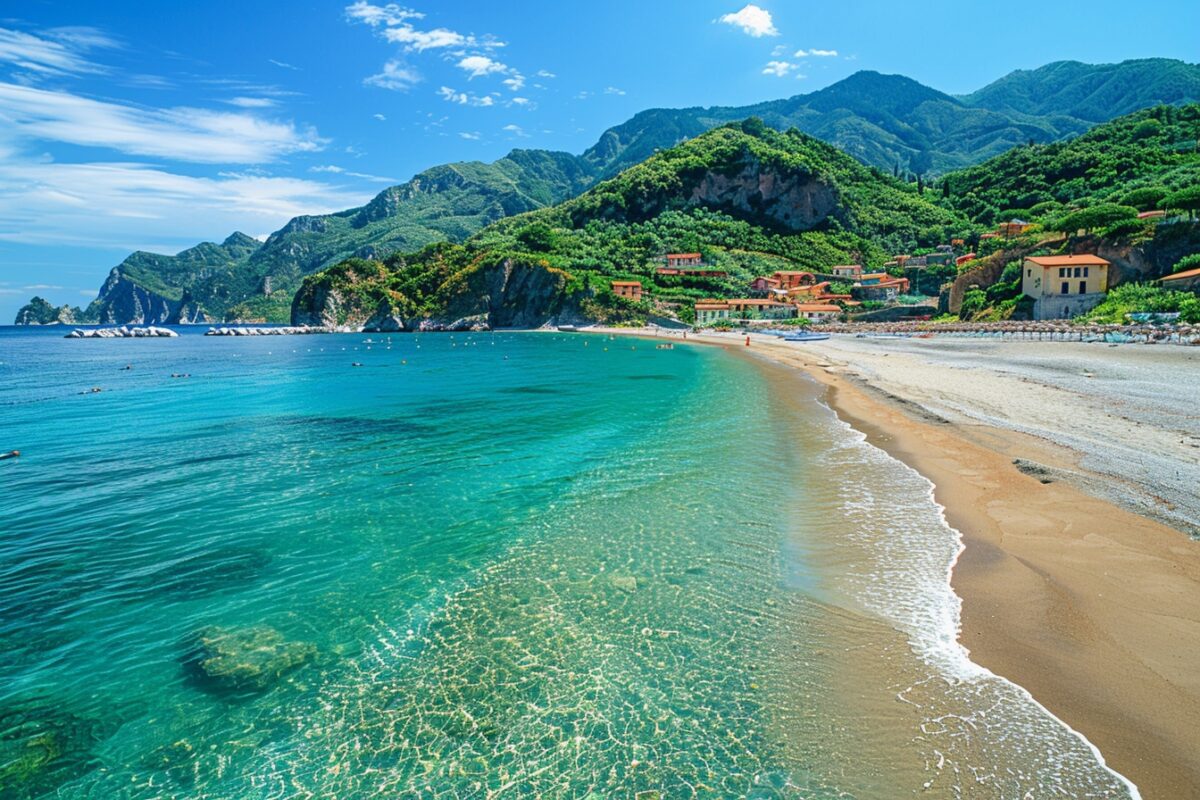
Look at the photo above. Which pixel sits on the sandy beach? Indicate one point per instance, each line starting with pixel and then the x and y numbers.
pixel 1070 471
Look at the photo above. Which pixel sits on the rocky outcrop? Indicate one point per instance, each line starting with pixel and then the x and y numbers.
pixel 121 301
pixel 386 318
pixel 481 297
pixel 39 311
pixel 794 201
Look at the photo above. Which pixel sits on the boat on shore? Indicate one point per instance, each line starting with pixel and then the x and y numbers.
pixel 568 328
pixel 805 336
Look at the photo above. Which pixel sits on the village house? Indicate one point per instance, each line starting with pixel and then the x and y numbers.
pixel 752 308
pixel 742 308
pixel 1013 228
pixel 851 271
pixel 879 286
pixel 764 285
pixel 631 290
pixel 678 260
pixel 964 259
pixel 1064 286
pixel 818 312
pixel 809 290
pixel 1188 279
pixel 790 280
pixel 708 311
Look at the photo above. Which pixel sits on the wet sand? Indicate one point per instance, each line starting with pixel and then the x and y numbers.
pixel 1066 591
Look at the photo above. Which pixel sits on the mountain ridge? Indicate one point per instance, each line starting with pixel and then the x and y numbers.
pixel 888 121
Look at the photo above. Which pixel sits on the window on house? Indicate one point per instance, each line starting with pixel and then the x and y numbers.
pixel 1083 287
pixel 1085 272
pixel 1066 288
pixel 1029 273
pixel 1078 272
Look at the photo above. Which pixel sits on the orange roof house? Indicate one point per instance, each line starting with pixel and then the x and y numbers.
pixel 1188 279
pixel 789 279
pixel 683 259
pixel 1064 286
pixel 817 311
pixel 761 284
pixel 631 290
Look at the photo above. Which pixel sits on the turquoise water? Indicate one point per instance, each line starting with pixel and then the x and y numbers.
pixel 511 565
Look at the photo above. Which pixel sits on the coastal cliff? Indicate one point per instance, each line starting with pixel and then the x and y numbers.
pixel 480 296
pixel 39 311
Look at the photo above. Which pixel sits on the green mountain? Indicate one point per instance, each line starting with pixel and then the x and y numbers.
pixel 886 121
pixel 1091 92
pixel 1137 160
pixel 750 197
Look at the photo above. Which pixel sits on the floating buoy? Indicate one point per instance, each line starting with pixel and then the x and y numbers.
pixel 10 454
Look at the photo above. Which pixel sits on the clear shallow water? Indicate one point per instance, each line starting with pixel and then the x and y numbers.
pixel 477 566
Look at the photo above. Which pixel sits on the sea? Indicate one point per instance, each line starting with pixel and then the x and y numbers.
pixel 478 565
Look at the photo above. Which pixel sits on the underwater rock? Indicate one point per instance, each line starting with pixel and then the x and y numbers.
pixel 40 749
pixel 626 583
pixel 245 659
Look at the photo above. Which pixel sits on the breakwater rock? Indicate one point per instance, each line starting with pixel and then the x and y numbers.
pixel 123 332
pixel 283 330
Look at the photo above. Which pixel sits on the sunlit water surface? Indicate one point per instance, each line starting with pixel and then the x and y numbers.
pixel 511 565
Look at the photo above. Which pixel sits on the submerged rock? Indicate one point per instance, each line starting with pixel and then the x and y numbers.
pixel 40 749
pixel 245 659
pixel 123 332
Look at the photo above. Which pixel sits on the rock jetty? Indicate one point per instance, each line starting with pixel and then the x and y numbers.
pixel 123 332
pixel 278 330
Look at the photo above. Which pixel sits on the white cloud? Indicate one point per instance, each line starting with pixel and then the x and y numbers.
pixel 379 117
pixel 465 98
pixel 391 14
pixel 778 68
pixel 124 205
pixel 478 66
pixel 753 20
pixel 515 130
pixel 396 27
pixel 396 75
pixel 336 170
pixel 613 90
pixel 252 102
pixel 516 82
pixel 520 101
pixel 541 73
pixel 471 135
pixel 185 134
pixel 33 287
pixel 815 53
pixel 283 64
pixel 56 52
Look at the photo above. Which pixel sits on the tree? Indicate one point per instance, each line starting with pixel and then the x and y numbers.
pixel 1186 263
pixel 1146 198
pixel 538 237
pixel 1097 216
pixel 974 300
pixel 1185 200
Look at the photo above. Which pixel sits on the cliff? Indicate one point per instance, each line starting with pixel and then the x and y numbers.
pixel 480 296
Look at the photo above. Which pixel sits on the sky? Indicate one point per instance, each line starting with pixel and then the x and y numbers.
pixel 124 127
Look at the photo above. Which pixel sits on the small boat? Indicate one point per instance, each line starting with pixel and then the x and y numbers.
pixel 805 336
pixel 667 346
pixel 568 328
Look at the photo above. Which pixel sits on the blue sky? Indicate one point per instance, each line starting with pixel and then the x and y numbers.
pixel 123 127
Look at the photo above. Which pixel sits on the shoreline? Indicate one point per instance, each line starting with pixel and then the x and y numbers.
pixel 1090 608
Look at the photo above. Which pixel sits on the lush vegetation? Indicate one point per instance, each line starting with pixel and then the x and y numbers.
pixel 1140 162
pixel 685 198
pixel 1131 298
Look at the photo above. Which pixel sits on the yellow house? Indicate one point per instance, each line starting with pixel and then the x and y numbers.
pixel 1064 286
